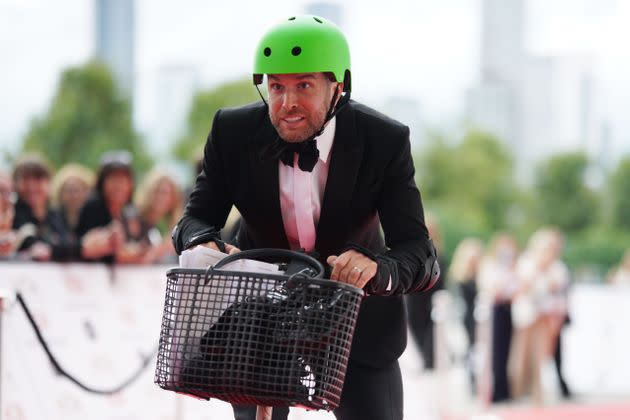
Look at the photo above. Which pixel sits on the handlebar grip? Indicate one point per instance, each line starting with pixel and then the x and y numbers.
pixel 266 253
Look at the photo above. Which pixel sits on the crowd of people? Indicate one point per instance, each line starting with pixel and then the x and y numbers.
pixel 78 215
pixel 526 291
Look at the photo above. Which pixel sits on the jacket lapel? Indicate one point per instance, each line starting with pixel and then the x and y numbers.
pixel 266 196
pixel 345 161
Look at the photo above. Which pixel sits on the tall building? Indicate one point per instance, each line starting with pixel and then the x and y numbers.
pixel 559 107
pixel 502 41
pixel 538 105
pixel 495 104
pixel 176 86
pixel 407 110
pixel 115 27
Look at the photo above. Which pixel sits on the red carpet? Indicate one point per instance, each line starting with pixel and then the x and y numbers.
pixel 568 412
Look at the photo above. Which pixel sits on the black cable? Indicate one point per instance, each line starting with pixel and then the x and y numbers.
pixel 62 371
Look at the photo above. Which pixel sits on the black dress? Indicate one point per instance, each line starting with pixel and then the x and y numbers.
pixel 52 231
pixel 421 325
pixel 95 214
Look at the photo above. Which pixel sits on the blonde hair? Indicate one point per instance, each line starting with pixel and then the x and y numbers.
pixel 71 170
pixel 146 192
pixel 466 258
pixel 543 236
pixel 497 240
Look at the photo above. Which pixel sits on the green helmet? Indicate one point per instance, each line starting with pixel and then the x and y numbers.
pixel 303 44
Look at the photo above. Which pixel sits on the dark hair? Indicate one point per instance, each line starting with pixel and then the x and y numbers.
pixel 330 76
pixel 113 161
pixel 31 166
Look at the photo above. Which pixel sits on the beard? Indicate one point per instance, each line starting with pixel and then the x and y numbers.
pixel 309 126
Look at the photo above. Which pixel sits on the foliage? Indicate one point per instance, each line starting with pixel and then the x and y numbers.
pixel 620 194
pixel 205 105
pixel 469 189
pixel 473 177
pixel 87 116
pixel 599 248
pixel 562 198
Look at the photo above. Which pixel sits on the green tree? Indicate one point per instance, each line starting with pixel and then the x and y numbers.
pixel 486 173
pixel 87 116
pixel 434 168
pixel 561 196
pixel 472 179
pixel 205 105
pixel 620 194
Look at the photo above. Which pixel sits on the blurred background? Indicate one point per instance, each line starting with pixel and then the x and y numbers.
pixel 518 114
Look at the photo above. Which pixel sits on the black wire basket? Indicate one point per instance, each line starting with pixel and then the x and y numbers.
pixel 258 339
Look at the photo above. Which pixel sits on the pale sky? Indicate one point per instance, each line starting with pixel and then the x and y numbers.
pixel 426 49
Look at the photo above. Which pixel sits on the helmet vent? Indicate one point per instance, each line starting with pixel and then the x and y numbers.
pixel 292 18
pixel 296 51
pixel 318 20
pixel 267 52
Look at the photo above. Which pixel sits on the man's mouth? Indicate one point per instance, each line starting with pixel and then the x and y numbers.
pixel 293 119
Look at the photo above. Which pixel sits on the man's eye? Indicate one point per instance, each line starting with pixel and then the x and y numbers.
pixel 276 86
pixel 305 85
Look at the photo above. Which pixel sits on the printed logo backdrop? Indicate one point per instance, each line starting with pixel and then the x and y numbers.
pixel 101 322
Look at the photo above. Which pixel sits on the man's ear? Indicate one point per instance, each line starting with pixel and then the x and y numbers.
pixel 339 92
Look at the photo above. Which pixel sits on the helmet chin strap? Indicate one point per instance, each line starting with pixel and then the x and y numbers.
pixel 332 109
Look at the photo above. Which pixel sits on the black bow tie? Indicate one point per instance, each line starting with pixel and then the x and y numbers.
pixel 307 153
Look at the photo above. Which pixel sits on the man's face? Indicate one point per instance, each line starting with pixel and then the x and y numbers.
pixel 298 103
pixel 34 190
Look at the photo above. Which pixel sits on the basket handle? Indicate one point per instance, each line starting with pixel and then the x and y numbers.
pixel 266 253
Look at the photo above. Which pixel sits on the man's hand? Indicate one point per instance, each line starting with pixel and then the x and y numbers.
pixel 231 249
pixel 353 268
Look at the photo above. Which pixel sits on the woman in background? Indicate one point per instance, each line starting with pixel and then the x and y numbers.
pixel 160 204
pixel 463 273
pixel 8 237
pixel 48 239
pixel 71 187
pixel 419 305
pixel 108 219
pixel 498 282
pixel 539 311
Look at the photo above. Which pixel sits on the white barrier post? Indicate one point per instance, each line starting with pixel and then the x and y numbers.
pixel 7 298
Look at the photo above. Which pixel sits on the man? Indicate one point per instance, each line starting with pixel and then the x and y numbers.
pixel 315 171
pixel 48 238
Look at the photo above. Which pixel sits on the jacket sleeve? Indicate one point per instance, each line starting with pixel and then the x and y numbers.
pixel 410 262
pixel 210 202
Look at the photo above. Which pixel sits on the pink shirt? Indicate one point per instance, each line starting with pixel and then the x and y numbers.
pixel 301 193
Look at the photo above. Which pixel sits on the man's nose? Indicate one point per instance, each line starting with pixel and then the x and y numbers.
pixel 290 100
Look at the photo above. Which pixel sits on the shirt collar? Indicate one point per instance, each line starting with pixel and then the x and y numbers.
pixel 325 140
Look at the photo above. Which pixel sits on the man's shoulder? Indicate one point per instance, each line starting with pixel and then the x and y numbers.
pixel 365 115
pixel 234 126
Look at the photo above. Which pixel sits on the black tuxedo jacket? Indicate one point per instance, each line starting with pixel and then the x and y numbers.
pixel 370 185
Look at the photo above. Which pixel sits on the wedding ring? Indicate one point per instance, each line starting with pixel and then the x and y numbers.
pixel 357 268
